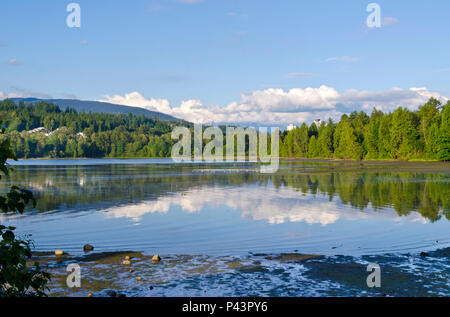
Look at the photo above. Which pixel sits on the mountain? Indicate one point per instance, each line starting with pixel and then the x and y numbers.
pixel 96 106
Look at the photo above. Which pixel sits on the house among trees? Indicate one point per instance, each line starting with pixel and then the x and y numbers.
pixel 37 130
pixel 291 127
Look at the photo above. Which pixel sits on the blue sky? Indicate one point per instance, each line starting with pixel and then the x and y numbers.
pixel 252 60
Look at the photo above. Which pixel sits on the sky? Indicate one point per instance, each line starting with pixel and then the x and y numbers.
pixel 229 61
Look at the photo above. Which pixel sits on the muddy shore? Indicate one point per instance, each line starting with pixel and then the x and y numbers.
pixel 288 274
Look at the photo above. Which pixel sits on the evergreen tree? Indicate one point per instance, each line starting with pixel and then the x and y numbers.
pixel 444 134
pixel 345 141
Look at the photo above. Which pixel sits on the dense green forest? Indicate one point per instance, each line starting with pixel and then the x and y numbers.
pixel 78 134
pixel 402 134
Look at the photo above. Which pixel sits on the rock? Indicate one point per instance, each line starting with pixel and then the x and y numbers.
pixel 59 252
pixel 88 247
pixel 423 254
pixel 138 278
pixel 90 295
pixel 294 257
pixel 111 293
pixel 127 258
pixel 156 258
pixel 126 262
pixel 106 256
pixel 131 271
pixel 151 287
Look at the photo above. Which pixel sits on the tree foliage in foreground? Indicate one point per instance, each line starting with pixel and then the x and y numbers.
pixel 16 278
pixel 402 134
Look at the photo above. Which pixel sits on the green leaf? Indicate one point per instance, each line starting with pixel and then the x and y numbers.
pixel 8 236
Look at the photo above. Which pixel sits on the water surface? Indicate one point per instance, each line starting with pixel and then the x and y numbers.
pixel 158 206
pixel 211 215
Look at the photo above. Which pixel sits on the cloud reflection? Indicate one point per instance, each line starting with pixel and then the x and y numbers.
pixel 276 206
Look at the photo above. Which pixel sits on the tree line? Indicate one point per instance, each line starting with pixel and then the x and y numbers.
pixel 402 134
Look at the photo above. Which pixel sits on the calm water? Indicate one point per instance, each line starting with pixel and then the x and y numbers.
pixel 220 210
pixel 233 209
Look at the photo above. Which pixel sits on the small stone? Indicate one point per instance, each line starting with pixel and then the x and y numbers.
pixel 423 254
pixel 88 247
pixel 126 262
pixel 156 258
pixel 59 252
pixel 131 271
pixel 151 287
pixel 90 295
pixel 138 278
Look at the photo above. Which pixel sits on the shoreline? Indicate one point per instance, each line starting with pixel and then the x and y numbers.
pixel 284 159
pixel 131 273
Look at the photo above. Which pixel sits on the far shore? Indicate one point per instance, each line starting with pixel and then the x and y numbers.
pixel 282 160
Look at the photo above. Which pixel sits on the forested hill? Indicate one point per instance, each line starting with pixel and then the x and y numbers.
pixel 42 129
pixel 96 106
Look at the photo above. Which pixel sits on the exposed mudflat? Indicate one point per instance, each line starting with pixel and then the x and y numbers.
pixel 287 274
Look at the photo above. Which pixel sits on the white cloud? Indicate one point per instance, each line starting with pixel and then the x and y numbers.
pixel 257 203
pixel 390 99
pixel 389 21
pixel 343 59
pixel 14 62
pixel 235 14
pixel 279 107
pixel 296 75
pixel 23 93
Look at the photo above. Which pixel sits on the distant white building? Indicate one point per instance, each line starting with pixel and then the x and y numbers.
pixel 37 130
pixel 291 127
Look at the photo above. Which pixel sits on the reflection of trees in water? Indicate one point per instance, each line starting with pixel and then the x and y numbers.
pixel 75 187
